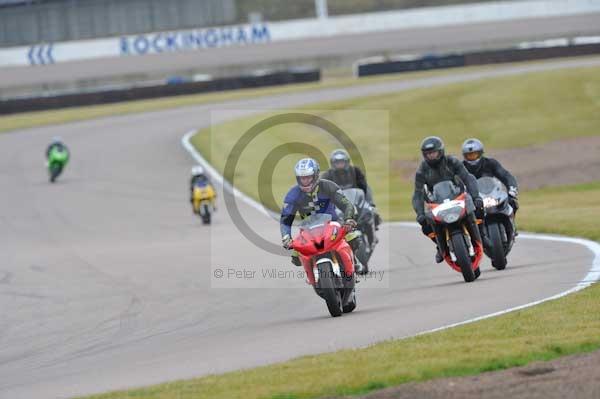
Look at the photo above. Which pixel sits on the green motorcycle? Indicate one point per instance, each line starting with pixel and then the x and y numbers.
pixel 57 160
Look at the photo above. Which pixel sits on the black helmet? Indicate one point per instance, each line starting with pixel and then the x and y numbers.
pixel 432 149
pixel 472 150
pixel 338 156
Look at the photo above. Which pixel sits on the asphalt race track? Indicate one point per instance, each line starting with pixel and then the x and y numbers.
pixel 291 53
pixel 105 276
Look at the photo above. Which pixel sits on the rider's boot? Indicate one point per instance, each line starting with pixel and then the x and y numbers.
pixel 296 258
pixel 439 258
pixel 359 267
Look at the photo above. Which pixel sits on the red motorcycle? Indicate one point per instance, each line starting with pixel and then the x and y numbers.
pixel 328 262
pixel 451 212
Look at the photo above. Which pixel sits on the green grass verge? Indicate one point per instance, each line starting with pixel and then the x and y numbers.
pixel 566 326
pixel 568 210
pixel 503 112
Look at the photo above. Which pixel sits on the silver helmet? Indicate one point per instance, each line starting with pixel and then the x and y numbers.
pixel 472 150
pixel 338 157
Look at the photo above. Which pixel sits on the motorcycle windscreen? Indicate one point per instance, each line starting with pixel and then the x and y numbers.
pixel 490 186
pixel 492 191
pixel 445 190
pixel 312 230
pixel 315 220
pixel 356 196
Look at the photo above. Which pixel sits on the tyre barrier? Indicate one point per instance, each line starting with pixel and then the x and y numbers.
pixel 39 103
pixel 371 67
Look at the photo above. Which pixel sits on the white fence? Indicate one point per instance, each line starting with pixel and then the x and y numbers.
pixel 262 33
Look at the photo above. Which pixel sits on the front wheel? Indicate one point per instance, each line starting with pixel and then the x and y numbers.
pixel 328 290
pixel 462 257
pixel 206 214
pixel 497 247
pixel 55 170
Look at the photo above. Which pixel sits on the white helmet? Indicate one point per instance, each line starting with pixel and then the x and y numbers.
pixel 197 170
pixel 307 167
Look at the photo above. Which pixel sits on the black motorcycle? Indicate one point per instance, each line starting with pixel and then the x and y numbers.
pixel 499 220
pixel 365 228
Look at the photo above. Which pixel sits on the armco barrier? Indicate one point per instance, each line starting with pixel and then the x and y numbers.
pixel 475 58
pixel 11 106
pixel 515 55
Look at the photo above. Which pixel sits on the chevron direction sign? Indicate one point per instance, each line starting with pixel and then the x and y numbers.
pixel 41 54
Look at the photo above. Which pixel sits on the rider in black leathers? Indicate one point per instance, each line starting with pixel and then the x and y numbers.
pixel 437 167
pixel 346 175
pixel 479 166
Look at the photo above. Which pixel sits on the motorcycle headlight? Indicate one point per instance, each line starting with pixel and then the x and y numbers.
pixel 450 217
pixel 489 202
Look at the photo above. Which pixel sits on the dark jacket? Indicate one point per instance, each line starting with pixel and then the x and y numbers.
pixel 202 180
pixel 449 168
pixel 353 177
pixel 324 199
pixel 493 168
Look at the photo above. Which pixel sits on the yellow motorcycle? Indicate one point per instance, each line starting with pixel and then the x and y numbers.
pixel 203 201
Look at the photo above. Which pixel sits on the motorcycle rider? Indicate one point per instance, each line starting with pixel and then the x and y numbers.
pixel 478 166
pixel 58 144
pixel 198 177
pixel 437 167
pixel 310 196
pixel 346 175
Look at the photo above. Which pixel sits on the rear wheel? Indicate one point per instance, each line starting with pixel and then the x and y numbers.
pixel 332 296
pixel 497 249
pixel 462 257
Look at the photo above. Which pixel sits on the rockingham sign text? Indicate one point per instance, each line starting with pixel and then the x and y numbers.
pixel 156 43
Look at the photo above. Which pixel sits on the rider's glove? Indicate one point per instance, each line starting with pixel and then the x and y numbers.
pixel 350 224
pixel 421 219
pixel 513 191
pixel 478 207
pixel 286 241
